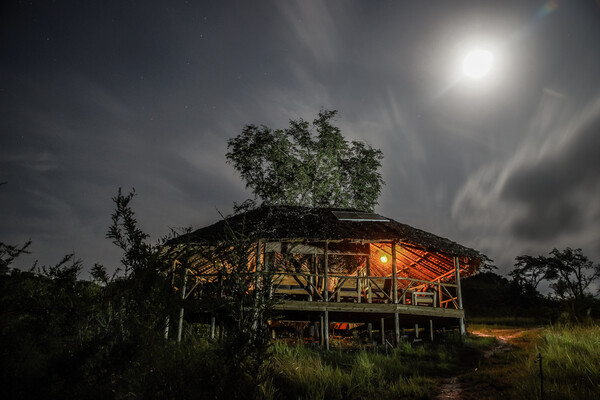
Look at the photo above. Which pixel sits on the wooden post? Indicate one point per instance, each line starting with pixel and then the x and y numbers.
pixel 461 321
pixel 382 331
pixel 321 332
pixel 394 274
pixel 267 261
pixel 431 330
pixel 167 323
pixel 397 327
pixel 358 287
pixel 326 290
pixel 416 331
pixel 257 268
pixel 395 297
pixel 183 288
pixel 311 280
pixel 369 297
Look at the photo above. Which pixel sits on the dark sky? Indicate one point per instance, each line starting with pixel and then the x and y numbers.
pixel 97 95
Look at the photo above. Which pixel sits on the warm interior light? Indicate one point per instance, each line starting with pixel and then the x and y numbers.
pixel 383 259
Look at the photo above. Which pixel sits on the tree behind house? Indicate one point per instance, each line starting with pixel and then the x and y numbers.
pixel 306 164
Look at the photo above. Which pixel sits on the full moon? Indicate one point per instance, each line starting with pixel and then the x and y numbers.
pixel 477 63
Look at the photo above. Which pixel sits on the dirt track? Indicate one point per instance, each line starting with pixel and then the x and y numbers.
pixel 459 388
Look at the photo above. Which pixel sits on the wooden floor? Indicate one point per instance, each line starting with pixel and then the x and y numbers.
pixel 291 305
pixel 365 312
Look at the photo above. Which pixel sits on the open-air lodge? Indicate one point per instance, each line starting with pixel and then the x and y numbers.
pixel 329 266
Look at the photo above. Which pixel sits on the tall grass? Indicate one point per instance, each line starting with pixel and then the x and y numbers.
pixel 407 372
pixel 570 362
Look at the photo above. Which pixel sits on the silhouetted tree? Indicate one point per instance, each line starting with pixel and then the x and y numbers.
pixel 307 165
pixel 570 275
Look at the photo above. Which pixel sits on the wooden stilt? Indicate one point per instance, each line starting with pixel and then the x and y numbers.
pixel 370 331
pixel 397 328
pixel 461 321
pixel 369 297
pixel 181 311
pixel 358 287
pixel 395 297
pixel 326 292
pixel 321 331
pixel 213 321
pixel 326 329
pixel 416 331
pixel 431 330
pixel 167 323
pixel 382 331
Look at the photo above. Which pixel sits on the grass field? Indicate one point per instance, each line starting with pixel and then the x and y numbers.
pixel 498 365
pixel 570 363
pixel 411 371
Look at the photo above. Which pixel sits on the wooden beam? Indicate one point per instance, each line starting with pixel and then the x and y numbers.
pixel 365 308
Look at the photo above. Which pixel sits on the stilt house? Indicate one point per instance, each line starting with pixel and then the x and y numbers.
pixel 333 265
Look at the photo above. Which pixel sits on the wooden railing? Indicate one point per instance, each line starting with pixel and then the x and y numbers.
pixel 355 288
pixel 364 289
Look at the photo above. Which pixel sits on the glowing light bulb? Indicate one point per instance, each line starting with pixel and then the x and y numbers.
pixel 383 259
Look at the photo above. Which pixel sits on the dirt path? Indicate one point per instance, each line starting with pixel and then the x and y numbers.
pixel 459 388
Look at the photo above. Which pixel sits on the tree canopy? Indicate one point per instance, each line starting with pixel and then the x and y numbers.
pixel 569 273
pixel 307 164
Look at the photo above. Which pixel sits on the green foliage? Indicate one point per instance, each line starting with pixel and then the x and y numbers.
pixel 308 166
pixel 245 306
pixel 570 275
pixel 8 253
pixel 63 337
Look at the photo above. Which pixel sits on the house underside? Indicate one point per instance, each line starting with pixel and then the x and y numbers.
pixel 325 266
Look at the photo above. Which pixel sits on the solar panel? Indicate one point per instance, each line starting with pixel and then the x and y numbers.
pixel 357 216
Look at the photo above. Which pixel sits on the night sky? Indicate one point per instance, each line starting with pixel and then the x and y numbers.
pixel 97 95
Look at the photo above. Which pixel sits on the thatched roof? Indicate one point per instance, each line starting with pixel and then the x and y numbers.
pixel 293 223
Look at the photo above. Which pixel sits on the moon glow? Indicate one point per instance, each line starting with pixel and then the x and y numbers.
pixel 477 63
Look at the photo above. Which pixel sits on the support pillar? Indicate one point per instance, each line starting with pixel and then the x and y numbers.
pixel 213 322
pixel 369 297
pixel 431 330
pixel 167 323
pixel 321 332
pixel 382 331
pixel 416 331
pixel 181 311
pixel 326 291
pixel 461 321
pixel 395 297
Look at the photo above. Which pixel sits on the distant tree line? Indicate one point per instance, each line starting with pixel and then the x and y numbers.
pixel 568 277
